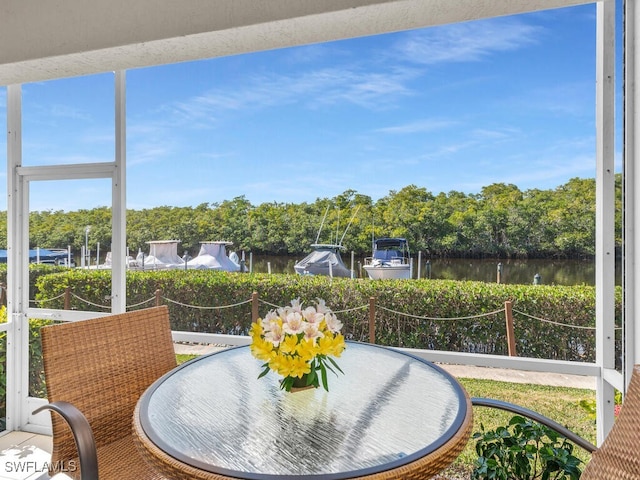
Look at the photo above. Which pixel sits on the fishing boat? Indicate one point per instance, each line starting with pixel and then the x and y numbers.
pixel 325 259
pixel 389 259
pixel 213 256
pixel 163 255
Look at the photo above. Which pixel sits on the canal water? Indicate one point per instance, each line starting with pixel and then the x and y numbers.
pixel 528 271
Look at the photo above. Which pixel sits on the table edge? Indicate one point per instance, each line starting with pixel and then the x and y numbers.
pixel 461 421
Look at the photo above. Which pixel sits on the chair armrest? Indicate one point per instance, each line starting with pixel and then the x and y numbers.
pixel 525 412
pixel 82 434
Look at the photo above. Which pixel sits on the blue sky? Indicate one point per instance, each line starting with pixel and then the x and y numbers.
pixel 455 107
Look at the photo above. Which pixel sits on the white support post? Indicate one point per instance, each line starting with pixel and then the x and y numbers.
pixel 17 266
pixel 119 203
pixel 631 240
pixel 605 212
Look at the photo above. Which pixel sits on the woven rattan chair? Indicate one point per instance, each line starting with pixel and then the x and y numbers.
pixel 619 455
pixel 97 369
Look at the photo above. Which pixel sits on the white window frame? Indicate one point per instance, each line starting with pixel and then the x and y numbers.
pixel 19 404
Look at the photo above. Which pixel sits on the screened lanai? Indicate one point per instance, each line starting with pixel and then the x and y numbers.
pixel 67 38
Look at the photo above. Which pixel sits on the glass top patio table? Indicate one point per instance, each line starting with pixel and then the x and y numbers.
pixel 390 412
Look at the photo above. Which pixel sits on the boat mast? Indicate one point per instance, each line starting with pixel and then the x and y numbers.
pixel 348 225
pixel 322 223
pixel 373 232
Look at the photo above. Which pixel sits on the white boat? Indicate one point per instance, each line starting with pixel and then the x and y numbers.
pixel 325 259
pixel 389 260
pixel 163 255
pixel 213 256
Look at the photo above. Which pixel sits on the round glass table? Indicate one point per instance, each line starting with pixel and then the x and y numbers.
pixel 391 415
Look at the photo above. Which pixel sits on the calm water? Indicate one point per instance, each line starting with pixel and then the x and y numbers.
pixel 552 272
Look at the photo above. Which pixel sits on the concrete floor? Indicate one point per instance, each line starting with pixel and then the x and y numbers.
pixel 24 456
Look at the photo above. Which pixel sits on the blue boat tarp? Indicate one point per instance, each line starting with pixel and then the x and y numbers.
pixel 44 255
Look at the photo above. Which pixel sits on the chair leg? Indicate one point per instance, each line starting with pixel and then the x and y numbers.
pixel 82 435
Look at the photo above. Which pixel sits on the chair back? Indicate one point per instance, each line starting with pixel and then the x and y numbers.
pixel 102 366
pixel 619 455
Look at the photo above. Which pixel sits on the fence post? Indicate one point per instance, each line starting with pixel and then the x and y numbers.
pixel 158 297
pixel 511 339
pixel 67 298
pixel 254 307
pixel 499 274
pixel 372 319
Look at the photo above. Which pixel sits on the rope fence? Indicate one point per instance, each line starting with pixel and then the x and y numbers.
pixel 372 307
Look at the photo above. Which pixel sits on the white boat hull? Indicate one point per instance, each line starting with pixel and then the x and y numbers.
pixel 388 272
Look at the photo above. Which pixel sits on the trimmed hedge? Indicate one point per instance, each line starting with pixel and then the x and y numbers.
pixel 442 307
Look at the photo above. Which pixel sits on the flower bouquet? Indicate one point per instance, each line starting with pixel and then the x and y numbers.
pixel 299 344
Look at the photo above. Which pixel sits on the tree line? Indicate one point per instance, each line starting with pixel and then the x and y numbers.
pixel 501 221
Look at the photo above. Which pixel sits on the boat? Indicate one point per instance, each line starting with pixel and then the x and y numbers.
pixel 389 259
pixel 325 259
pixel 213 256
pixel 163 255
pixel 50 256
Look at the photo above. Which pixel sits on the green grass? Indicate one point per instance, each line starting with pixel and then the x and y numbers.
pixel 559 403
pixel 182 358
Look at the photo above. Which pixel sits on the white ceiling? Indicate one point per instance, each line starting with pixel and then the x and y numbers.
pixel 49 39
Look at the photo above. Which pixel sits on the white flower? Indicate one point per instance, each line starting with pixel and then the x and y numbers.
pixel 321 306
pixel 333 324
pixel 296 306
pixel 311 316
pixel 311 332
pixel 275 335
pixel 269 320
pixel 293 323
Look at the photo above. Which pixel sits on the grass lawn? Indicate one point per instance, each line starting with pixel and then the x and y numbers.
pixel 560 404
pixel 181 358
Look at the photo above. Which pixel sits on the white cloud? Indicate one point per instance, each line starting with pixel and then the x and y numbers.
pixel 421 126
pixel 467 42
pixel 312 89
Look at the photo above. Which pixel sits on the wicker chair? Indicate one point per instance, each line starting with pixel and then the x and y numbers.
pixel 95 372
pixel 619 456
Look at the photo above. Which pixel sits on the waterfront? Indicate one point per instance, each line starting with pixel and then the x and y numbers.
pixel 514 271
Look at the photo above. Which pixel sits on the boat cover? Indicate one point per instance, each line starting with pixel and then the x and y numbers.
pixel 318 261
pixel 213 256
pixel 163 254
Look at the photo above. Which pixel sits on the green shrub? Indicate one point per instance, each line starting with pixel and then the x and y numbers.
pixel 524 450
pixel 430 314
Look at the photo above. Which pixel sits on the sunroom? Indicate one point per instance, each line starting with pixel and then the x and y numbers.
pixel 70 38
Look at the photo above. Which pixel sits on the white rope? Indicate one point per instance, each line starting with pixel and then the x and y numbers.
pixel 90 303
pixel 557 323
pixel 48 299
pixel 268 303
pixel 205 308
pixel 141 303
pixel 435 318
pixel 351 309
